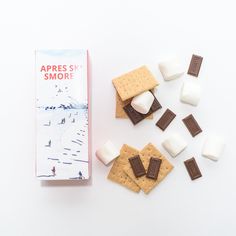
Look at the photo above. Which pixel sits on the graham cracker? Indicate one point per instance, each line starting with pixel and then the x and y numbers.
pixel 120 113
pixel 134 82
pixel 117 174
pixel 143 182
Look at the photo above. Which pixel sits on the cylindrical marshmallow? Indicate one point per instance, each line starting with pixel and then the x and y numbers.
pixel 174 145
pixel 191 92
pixel 143 102
pixel 171 69
pixel 107 153
pixel 213 147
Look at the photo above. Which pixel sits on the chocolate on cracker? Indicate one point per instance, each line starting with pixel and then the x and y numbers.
pixel 153 168
pixel 117 173
pixel 137 166
pixel 147 184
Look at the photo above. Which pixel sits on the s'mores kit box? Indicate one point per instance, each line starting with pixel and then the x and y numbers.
pixel 62 115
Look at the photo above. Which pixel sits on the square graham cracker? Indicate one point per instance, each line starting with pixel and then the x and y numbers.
pixel 143 182
pixel 134 82
pixel 117 174
pixel 120 113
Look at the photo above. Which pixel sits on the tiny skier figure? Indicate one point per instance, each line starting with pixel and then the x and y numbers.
pixel 53 171
pixel 62 121
pixel 81 175
pixel 49 143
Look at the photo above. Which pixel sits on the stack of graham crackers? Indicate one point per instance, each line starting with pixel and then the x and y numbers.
pixel 122 173
pixel 130 85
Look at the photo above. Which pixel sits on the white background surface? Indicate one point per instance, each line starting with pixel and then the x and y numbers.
pixel 120 35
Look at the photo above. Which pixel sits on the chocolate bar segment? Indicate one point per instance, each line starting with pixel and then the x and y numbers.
pixel 195 65
pixel 192 168
pixel 155 106
pixel 133 115
pixel 153 168
pixel 192 125
pixel 165 119
pixel 137 166
pixel 136 117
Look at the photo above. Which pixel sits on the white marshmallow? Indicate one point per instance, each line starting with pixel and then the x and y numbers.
pixel 191 92
pixel 171 69
pixel 174 145
pixel 143 102
pixel 107 153
pixel 213 147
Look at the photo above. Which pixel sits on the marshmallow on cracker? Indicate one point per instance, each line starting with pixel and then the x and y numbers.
pixel 174 145
pixel 213 148
pixel 143 102
pixel 171 69
pixel 107 153
pixel 191 92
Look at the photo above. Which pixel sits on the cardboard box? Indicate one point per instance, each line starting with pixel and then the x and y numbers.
pixel 62 115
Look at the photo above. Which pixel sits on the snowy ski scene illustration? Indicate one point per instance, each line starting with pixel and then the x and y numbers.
pixel 62 115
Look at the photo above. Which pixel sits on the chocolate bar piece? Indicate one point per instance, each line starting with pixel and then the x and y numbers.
pixel 192 168
pixel 195 65
pixel 165 119
pixel 137 166
pixel 153 168
pixel 192 125
pixel 136 117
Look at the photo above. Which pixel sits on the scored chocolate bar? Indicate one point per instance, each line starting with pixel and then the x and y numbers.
pixel 153 168
pixel 192 168
pixel 137 166
pixel 195 65
pixel 192 125
pixel 165 119
pixel 136 117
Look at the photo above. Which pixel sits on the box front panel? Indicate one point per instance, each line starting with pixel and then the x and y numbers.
pixel 62 115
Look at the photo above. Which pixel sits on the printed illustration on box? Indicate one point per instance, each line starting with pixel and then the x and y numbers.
pixel 62 114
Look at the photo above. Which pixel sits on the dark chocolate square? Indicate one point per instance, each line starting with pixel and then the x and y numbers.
pixel 165 119
pixel 192 168
pixel 137 166
pixel 192 125
pixel 153 168
pixel 195 65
